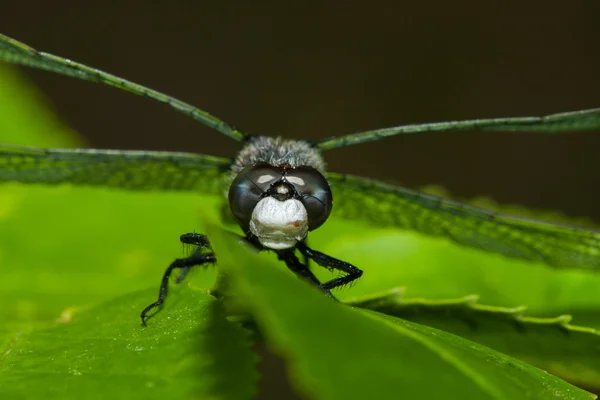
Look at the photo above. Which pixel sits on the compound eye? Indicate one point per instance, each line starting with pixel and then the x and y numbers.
pixel 247 189
pixel 315 194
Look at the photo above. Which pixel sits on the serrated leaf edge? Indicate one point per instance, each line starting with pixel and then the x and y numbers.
pixel 395 298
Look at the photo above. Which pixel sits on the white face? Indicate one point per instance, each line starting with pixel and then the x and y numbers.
pixel 278 224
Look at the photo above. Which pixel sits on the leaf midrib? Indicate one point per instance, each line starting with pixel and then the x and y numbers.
pixel 447 356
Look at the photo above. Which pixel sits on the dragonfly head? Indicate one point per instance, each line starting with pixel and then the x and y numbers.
pixel 280 204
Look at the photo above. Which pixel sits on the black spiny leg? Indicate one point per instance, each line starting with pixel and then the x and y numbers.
pixel 326 261
pixel 201 255
pixel 301 270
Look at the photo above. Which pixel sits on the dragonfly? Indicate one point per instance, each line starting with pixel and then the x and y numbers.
pixel 278 189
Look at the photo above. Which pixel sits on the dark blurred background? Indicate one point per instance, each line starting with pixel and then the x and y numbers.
pixel 314 69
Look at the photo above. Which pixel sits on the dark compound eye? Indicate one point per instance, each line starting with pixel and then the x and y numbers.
pixel 247 188
pixel 315 194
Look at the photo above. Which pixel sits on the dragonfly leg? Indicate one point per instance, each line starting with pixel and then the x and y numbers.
pixel 352 273
pixel 201 255
pixel 306 258
pixel 199 243
pixel 301 270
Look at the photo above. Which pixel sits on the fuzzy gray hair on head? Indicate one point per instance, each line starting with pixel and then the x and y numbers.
pixel 278 151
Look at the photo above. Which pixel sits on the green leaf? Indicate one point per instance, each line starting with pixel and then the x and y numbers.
pixel 62 247
pixel 189 350
pixel 24 116
pixel 338 352
pixel 437 269
pixel 553 344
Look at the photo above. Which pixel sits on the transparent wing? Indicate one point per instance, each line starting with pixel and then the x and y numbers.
pixel 561 246
pixel 12 51
pixel 563 122
pixel 133 170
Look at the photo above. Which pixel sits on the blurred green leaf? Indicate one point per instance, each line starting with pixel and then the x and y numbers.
pixel 26 117
pixel 62 247
pixel 337 352
pixel 437 269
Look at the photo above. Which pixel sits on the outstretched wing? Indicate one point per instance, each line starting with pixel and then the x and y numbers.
pixel 132 170
pixel 561 246
pixel 563 122
pixel 15 52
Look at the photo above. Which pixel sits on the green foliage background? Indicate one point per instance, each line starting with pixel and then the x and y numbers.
pixel 78 264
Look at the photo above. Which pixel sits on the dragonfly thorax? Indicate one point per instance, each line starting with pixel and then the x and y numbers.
pixel 279 203
pixel 278 151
